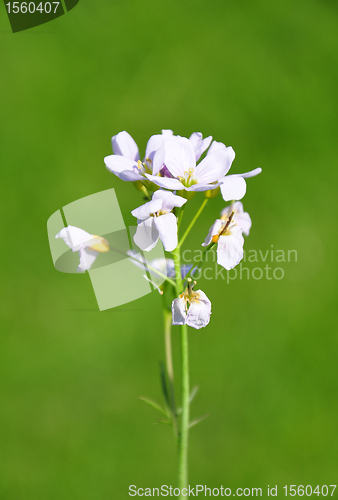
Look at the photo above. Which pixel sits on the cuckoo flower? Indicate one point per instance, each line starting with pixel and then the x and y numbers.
pixel 241 218
pixel 233 187
pixel 179 156
pixel 126 163
pixel 88 245
pixel 191 308
pixel 155 220
pixel 230 241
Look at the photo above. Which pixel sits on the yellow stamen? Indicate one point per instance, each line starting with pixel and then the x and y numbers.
pixel 215 238
pixel 101 245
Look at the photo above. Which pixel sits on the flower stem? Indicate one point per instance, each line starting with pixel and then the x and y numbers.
pixel 184 430
pixel 183 437
pixel 198 213
pixel 169 365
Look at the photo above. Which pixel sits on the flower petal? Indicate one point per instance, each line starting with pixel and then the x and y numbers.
pixel 179 156
pixel 252 173
pixel 233 187
pixel 178 311
pixel 199 144
pixel 143 212
pixel 124 145
pixel 87 259
pixel 165 182
pixel 167 227
pixel 125 168
pixel 168 199
pixel 198 315
pixel 214 166
pixel 146 235
pixel 75 237
pixel 213 231
pixel 230 249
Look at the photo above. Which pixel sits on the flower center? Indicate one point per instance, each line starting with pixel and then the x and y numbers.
pixel 225 230
pixel 100 245
pixel 145 167
pixel 158 213
pixel 189 296
pixel 188 178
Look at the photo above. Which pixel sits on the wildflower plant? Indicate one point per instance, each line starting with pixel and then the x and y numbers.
pixel 173 171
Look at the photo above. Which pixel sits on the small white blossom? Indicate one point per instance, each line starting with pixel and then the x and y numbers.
pixel 179 156
pixel 155 220
pixel 191 308
pixel 230 241
pixel 241 218
pixel 126 163
pixel 88 245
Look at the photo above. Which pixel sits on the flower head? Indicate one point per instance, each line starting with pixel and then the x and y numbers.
pixel 241 218
pixel 126 163
pixel 155 220
pixel 179 156
pixel 191 308
pixel 88 245
pixel 230 241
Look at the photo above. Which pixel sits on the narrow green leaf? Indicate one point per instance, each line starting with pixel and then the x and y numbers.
pixel 193 393
pixel 152 403
pixel 198 420
pixel 168 422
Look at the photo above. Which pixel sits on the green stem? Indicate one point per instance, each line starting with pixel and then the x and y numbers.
pixel 183 439
pixel 198 213
pixel 169 365
pixel 184 431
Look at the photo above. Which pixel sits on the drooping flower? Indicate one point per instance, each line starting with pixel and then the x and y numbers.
pixel 230 241
pixel 155 220
pixel 241 218
pixel 126 163
pixel 179 157
pixel 191 308
pixel 88 245
pixel 233 187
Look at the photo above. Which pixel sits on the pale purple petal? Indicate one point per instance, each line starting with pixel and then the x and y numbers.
pixel 74 237
pixel 199 144
pixel 198 315
pixel 230 249
pixel 215 228
pixel 165 182
pixel 169 200
pixel 146 235
pixel 143 212
pixel 167 228
pixel 202 187
pixel 87 259
pixel 252 173
pixel 123 167
pixel 124 145
pixel 213 167
pixel 158 159
pixel 179 156
pixel 233 187
pixel 178 311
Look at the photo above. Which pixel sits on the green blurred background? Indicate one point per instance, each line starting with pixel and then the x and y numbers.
pixel 260 76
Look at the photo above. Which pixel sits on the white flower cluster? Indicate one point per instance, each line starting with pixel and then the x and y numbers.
pixel 173 163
